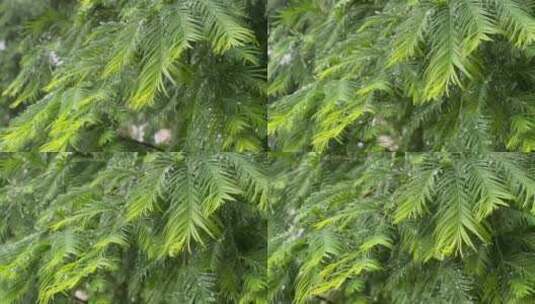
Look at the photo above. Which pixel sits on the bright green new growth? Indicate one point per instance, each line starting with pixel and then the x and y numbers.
pixel 133 228
pixel 402 75
pixel 90 71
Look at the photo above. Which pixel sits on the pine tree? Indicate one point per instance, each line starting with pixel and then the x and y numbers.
pixel 414 75
pixel 347 78
pixel 85 75
pixel 132 228
pixel 141 226
pixel 184 205
pixel 403 228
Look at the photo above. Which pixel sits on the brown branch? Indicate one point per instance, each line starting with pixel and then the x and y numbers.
pixel 144 144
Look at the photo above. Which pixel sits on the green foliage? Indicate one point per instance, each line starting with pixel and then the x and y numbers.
pixel 286 228
pixel 336 213
pixel 422 75
pixel 81 75
pixel 133 228
pixel 403 228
